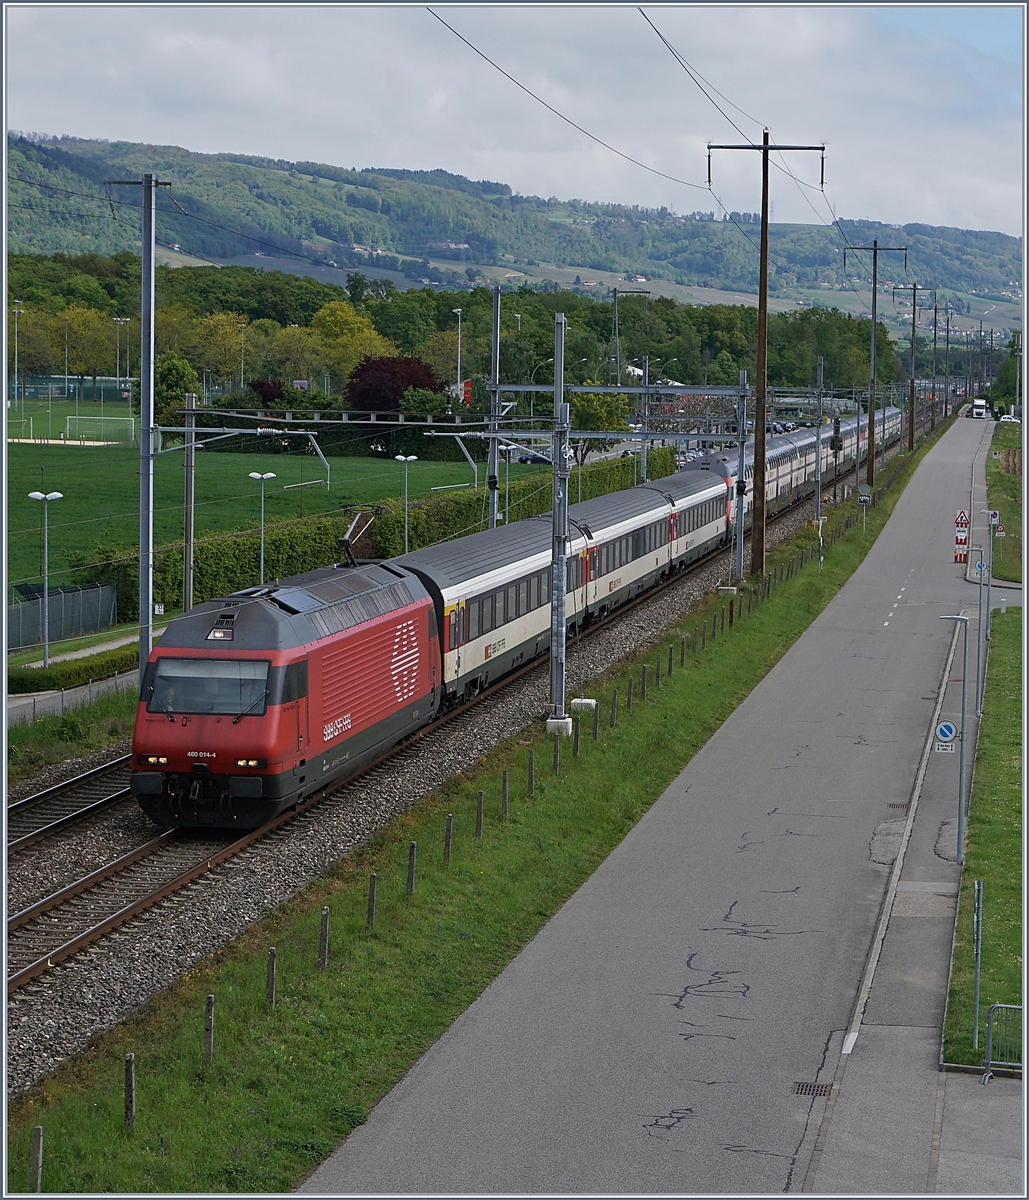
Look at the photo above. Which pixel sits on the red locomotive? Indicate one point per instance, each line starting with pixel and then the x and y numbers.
pixel 251 703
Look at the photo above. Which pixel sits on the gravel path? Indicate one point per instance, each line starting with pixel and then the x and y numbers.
pixel 59 1014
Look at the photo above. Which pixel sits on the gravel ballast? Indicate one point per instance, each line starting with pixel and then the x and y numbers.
pixel 61 1013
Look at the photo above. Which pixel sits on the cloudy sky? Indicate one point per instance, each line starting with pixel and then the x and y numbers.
pixel 920 107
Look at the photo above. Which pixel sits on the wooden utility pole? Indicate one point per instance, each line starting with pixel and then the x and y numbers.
pixel 875 248
pixel 946 368
pixel 915 289
pixel 936 321
pixel 757 535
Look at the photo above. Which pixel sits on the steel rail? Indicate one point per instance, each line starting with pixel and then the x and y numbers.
pixel 45 831
pixel 111 922
pixel 67 785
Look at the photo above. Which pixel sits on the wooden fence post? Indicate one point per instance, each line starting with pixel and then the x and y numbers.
pixel 323 940
pixel 130 1091
pixel 270 982
pixel 209 1030
pixel 36 1160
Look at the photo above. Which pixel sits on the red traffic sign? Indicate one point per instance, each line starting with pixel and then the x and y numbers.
pixel 961 520
pixel 1000 528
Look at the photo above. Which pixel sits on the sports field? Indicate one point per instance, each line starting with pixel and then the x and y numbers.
pixel 100 486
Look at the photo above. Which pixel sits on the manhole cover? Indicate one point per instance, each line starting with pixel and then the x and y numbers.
pixel 812 1089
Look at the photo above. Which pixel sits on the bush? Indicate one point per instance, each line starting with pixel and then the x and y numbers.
pixel 227 563
pixel 72 673
pixel 442 517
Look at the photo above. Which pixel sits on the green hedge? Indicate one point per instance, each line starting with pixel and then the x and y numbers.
pixel 440 518
pixel 72 673
pixel 228 562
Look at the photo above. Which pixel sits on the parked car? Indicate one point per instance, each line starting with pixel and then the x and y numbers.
pixel 1009 417
pixel 534 458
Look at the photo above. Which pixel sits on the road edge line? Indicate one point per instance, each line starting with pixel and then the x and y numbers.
pixel 885 911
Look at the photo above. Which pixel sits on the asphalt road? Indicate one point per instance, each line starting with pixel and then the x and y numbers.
pixel 650 1038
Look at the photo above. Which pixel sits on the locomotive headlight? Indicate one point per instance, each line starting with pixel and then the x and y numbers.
pixel 251 762
pixel 153 760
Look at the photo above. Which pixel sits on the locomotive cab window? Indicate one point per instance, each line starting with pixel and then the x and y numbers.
pixel 209 685
pixel 294 686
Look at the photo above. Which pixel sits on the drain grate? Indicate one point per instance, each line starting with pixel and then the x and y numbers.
pixel 904 805
pixel 930 697
pixel 812 1089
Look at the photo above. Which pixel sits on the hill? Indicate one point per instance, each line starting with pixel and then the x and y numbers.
pixel 226 205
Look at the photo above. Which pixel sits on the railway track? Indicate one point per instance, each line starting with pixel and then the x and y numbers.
pixel 61 925
pixel 39 817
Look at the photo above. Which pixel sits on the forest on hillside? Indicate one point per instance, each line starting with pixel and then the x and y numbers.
pixel 223 205
pixel 232 324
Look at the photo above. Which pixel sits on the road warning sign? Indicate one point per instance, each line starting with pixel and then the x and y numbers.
pixel 961 520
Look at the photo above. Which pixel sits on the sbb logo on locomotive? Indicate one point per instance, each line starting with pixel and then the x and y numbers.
pixel 404 665
pixel 335 728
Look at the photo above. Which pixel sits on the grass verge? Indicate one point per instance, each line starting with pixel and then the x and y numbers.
pixel 993 852
pixel 288 1082
pixel 79 731
pixel 1005 494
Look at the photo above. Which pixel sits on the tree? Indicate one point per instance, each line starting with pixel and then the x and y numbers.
pixel 90 343
pixel 724 372
pixel 346 337
pixel 37 341
pixel 173 379
pixel 221 340
pixel 596 411
pixel 379 384
pixel 296 353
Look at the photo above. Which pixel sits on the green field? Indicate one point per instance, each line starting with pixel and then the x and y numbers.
pixel 993 851
pixel 1005 493
pixel 100 485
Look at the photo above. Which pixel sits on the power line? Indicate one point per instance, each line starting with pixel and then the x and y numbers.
pixel 568 120
pixel 700 81
pixel 696 76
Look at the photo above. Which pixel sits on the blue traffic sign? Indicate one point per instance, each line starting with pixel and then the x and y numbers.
pixel 946 731
pixel 980 565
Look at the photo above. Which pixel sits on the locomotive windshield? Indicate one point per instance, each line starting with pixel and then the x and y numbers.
pixel 209 685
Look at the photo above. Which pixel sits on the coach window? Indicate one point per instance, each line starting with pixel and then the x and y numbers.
pixel 499 611
pixel 486 623
pixel 534 592
pixel 545 587
pixel 523 597
pixel 474 618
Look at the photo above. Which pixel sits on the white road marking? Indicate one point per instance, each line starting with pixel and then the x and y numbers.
pixel 886 622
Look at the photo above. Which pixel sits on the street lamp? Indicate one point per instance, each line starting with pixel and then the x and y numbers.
pixel 458 312
pixel 46 498
pixel 405 459
pixel 262 478
pixel 532 380
pixel 961 764
pixel 17 313
pixel 119 322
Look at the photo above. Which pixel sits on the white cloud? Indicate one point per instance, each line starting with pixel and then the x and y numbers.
pixel 922 117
